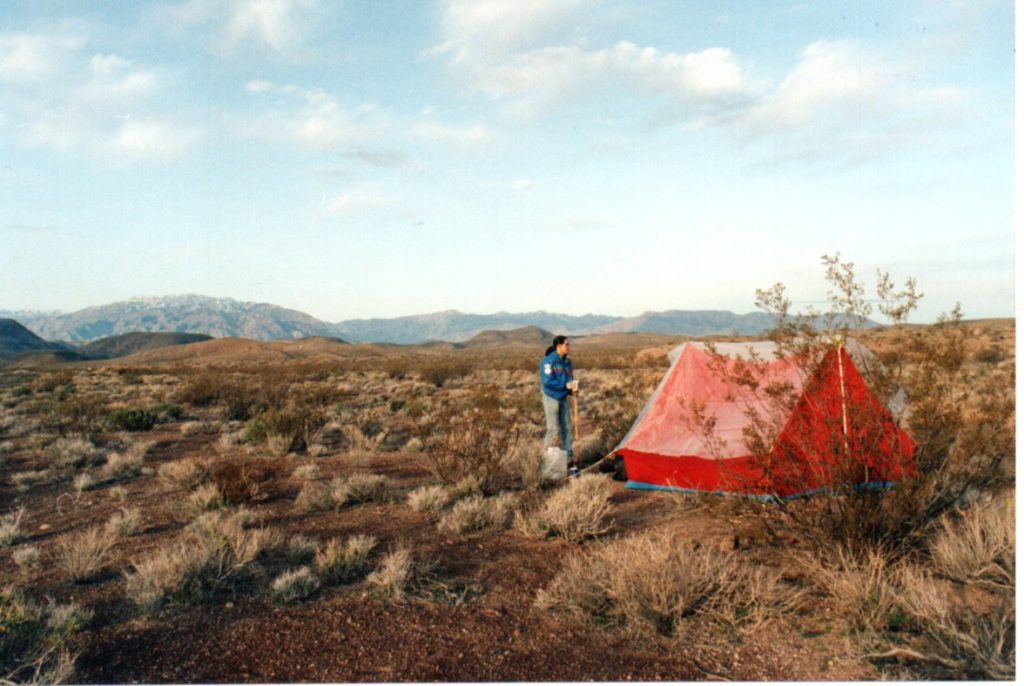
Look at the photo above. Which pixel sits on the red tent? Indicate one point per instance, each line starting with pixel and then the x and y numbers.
pixel 829 429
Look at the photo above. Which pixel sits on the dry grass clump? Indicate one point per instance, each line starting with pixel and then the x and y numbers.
pixel 307 472
pixel 33 639
pixel 26 556
pixel 361 441
pixel 10 527
pixel 82 556
pixel 977 546
pixel 652 581
pixel 477 513
pixel 295 584
pixel 301 548
pixel 205 498
pixel 315 496
pixel 184 473
pixel 360 487
pixel 24 481
pixel 74 452
pixel 212 552
pixel 432 499
pixel 126 522
pixel 200 429
pixel 336 563
pixel 900 612
pixel 128 464
pixel 396 571
pixel 575 512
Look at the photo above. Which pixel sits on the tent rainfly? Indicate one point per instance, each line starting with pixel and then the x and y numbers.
pixel 833 430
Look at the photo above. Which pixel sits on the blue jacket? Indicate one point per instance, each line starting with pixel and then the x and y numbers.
pixel 555 372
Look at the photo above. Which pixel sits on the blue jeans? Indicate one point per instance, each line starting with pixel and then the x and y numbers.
pixel 556 414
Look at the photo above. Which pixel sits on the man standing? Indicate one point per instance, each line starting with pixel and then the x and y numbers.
pixel 557 385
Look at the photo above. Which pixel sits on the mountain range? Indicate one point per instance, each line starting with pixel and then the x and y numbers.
pixel 225 317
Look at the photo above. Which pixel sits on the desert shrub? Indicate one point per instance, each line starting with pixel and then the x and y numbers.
pixel 200 429
pixel 132 419
pixel 394 574
pixel 24 481
pixel 365 437
pixel 10 527
pixel 358 488
pixel 960 445
pixel 26 556
pixel 242 481
pixel 991 354
pixel 441 370
pixel 33 639
pixel 205 498
pixel 300 548
pixel 473 439
pixel 168 412
pixel 430 499
pixel 125 523
pixel 477 513
pixel 307 472
pixel 314 497
pixel 652 581
pixel 295 584
pixel 977 546
pixel 84 416
pixel 82 556
pixel 575 512
pixel 336 563
pixel 294 428
pixel 128 464
pixel 203 389
pixel 73 452
pixel 186 472
pixel 87 481
pixel 211 555
pixel 527 462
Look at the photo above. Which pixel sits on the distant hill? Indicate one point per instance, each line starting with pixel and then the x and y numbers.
pixel 528 335
pixel 130 343
pixel 456 327
pixel 216 317
pixel 16 340
pixel 227 318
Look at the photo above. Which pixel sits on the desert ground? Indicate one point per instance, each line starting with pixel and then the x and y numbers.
pixel 234 511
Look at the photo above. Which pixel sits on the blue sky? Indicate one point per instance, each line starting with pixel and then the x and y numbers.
pixel 377 159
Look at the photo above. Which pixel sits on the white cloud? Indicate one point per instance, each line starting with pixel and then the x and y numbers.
pixel 466 136
pixel 259 86
pixel 516 185
pixel 316 119
pixel 359 199
pixel 114 78
pixel 280 24
pixel 484 29
pixel 26 58
pixel 147 140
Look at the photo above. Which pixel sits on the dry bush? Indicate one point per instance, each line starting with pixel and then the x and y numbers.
pixel 527 462
pixel 477 513
pixel 358 488
pixel 651 580
pixel 243 481
pixel 396 571
pixel 26 556
pixel 34 639
pixel 126 465
pixel 336 563
pixel 307 472
pixel 314 497
pixel 10 527
pixel 125 523
pixel 441 370
pixel 862 586
pixel 24 481
pixel 87 481
pixel 295 584
pixel 82 556
pixel 575 512
pixel 205 498
pixel 475 439
pixel 301 548
pixel 359 441
pixel 74 452
pixel 198 428
pixel 977 546
pixel 184 473
pixel 962 427
pixel 430 499
pixel 210 554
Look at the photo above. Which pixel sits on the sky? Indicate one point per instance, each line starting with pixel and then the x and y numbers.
pixel 390 157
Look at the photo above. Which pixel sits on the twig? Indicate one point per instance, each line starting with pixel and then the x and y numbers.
pixel 907 653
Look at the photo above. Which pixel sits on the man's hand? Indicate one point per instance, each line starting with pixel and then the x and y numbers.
pixel 573 386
